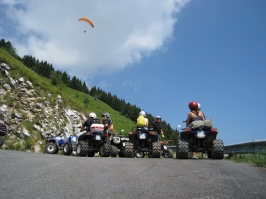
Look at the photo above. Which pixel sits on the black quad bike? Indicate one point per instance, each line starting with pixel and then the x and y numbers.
pixel 93 141
pixel 200 139
pixel 118 144
pixel 143 141
pixel 3 131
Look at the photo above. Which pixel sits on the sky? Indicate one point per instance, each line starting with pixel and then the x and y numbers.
pixel 156 54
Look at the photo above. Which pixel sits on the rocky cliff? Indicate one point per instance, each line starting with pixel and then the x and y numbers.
pixel 34 113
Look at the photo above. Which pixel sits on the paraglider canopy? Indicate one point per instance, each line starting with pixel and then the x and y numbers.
pixel 87 20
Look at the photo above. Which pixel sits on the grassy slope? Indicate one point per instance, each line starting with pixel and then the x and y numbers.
pixel 68 95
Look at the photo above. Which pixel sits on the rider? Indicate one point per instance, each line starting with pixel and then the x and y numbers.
pixel 87 124
pixel 195 114
pixel 158 127
pixel 146 119
pixel 107 122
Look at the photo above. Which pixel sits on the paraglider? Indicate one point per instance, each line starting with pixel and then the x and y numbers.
pixel 87 20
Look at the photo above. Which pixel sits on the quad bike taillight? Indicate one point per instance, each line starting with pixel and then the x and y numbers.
pixel 187 129
pixel 214 130
pixel 89 133
pixel 134 132
pixel 151 132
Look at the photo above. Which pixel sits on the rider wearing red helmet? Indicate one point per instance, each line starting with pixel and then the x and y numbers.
pixel 195 113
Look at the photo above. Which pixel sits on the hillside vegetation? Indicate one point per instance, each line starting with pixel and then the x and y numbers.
pixel 80 99
pixel 73 98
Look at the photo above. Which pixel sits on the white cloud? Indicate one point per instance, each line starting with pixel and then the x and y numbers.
pixel 124 32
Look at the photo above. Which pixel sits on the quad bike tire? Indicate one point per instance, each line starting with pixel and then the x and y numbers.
pixel 51 148
pixel 168 153
pixel 156 150
pixel 182 149
pixel 105 150
pixel 67 149
pixel 217 149
pixel 82 149
pixel 139 155
pixel 129 150
pixel 1 141
pixel 114 151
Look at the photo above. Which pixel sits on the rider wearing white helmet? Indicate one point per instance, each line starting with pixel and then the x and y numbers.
pixel 87 124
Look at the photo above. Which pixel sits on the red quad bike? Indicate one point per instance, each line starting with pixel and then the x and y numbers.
pixel 200 139
pixel 143 141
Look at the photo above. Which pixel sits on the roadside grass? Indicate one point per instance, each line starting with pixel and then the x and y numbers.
pixel 257 159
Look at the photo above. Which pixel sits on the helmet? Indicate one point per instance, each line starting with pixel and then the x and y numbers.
pixel 158 117
pixel 193 105
pixel 142 113
pixel 92 115
pixel 199 106
pixel 106 114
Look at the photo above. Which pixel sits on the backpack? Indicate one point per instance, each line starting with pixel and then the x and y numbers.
pixel 141 122
pixel 202 124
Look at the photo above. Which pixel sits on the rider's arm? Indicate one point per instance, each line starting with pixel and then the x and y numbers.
pixel 188 118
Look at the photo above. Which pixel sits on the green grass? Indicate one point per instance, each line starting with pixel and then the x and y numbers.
pixel 71 97
pixel 257 159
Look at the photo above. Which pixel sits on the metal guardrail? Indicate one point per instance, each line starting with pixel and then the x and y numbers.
pixel 256 146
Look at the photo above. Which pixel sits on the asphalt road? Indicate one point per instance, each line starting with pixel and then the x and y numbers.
pixel 35 175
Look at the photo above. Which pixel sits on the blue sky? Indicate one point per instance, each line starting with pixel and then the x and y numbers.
pixel 158 55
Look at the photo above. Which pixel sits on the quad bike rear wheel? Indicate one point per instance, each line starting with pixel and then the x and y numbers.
pixel 51 148
pixel 156 150
pixel 114 151
pixel 182 149
pixel 1 141
pixel 140 155
pixel 168 153
pixel 82 149
pixel 67 149
pixel 129 153
pixel 217 149
pixel 105 150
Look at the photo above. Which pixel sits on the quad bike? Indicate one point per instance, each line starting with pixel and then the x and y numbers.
pixel 201 139
pixel 143 141
pixel 166 153
pixel 118 146
pixel 54 143
pixel 70 145
pixel 94 140
pixel 3 131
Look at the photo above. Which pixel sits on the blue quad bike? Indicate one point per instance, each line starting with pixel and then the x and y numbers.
pixel 56 143
pixel 200 139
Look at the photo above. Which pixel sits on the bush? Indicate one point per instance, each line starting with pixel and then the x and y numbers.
pixel 30 143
